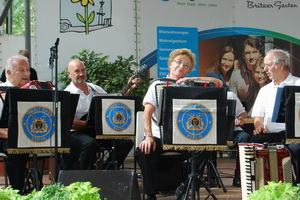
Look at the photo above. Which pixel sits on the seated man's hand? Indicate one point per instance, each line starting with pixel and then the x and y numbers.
pixel 260 130
pixel 3 133
pixel 79 125
pixel 147 145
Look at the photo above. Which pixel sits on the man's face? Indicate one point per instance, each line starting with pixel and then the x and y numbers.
pixel 251 55
pixel 272 69
pixel 21 73
pixel 77 72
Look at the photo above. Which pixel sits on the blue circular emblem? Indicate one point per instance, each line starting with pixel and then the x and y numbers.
pixel 194 121
pixel 39 124
pixel 118 116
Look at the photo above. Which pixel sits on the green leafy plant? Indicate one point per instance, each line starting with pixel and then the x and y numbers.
pixel 111 76
pixel 56 191
pixel 278 191
pixel 9 194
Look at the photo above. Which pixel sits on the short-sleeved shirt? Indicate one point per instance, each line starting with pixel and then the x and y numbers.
pixel 84 100
pixel 151 98
pixel 265 101
pixel 7 83
pixel 239 109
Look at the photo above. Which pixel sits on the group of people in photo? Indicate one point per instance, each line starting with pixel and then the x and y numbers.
pixel 250 79
pixel 243 76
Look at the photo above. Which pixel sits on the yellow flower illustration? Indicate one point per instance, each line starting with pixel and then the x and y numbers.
pixel 84 2
pixel 88 18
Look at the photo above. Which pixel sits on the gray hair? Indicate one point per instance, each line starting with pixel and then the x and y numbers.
pixel 10 63
pixel 280 55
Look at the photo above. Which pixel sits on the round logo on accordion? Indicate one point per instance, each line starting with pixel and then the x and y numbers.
pixel 39 123
pixel 194 121
pixel 118 116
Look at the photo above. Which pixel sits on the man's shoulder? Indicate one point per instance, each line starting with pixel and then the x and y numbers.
pixel 94 85
pixel 296 80
pixel 97 88
pixel 68 88
pixel 6 84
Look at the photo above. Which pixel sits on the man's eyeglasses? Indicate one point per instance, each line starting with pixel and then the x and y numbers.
pixel 181 62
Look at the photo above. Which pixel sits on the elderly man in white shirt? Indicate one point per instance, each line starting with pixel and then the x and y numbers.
pixel 17 75
pixel 277 67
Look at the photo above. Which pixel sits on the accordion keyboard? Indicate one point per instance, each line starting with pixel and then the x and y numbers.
pixel 259 164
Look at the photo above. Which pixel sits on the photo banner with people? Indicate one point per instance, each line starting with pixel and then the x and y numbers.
pixel 147 30
pixel 232 38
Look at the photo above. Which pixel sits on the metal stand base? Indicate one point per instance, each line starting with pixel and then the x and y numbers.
pixel 211 165
pixel 113 162
pixel 33 179
pixel 191 184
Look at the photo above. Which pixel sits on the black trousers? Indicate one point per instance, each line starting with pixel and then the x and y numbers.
pixel 161 172
pixel 269 137
pixel 15 165
pixel 82 152
pixel 147 163
pixel 84 147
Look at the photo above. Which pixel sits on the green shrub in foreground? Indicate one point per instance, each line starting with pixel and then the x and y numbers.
pixel 276 191
pixel 56 191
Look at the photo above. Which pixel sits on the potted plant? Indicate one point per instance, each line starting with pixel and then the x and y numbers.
pixel 111 76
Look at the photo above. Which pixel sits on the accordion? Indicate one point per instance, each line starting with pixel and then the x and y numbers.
pixel 262 163
pixel 48 85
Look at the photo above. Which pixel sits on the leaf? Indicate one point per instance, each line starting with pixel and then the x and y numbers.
pixel 275 190
pixel 80 18
pixel 91 17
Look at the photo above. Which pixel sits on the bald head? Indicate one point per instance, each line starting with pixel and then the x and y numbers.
pixel 76 72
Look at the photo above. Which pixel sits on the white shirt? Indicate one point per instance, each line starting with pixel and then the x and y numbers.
pixel 84 101
pixel 150 97
pixel 7 83
pixel 239 109
pixel 265 101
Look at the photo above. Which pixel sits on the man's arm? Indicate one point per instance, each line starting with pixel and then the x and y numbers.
pixel 239 120
pixel 3 133
pixel 208 79
pixel 148 144
pixel 259 126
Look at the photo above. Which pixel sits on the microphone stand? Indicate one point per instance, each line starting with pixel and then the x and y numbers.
pixel 54 57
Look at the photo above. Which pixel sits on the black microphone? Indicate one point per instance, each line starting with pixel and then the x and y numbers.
pixel 50 64
pixel 57 42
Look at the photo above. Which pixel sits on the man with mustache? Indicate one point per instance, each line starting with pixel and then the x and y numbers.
pixel 83 145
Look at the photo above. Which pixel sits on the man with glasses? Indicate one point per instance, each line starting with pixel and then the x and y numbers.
pixel 277 68
pixel 181 62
